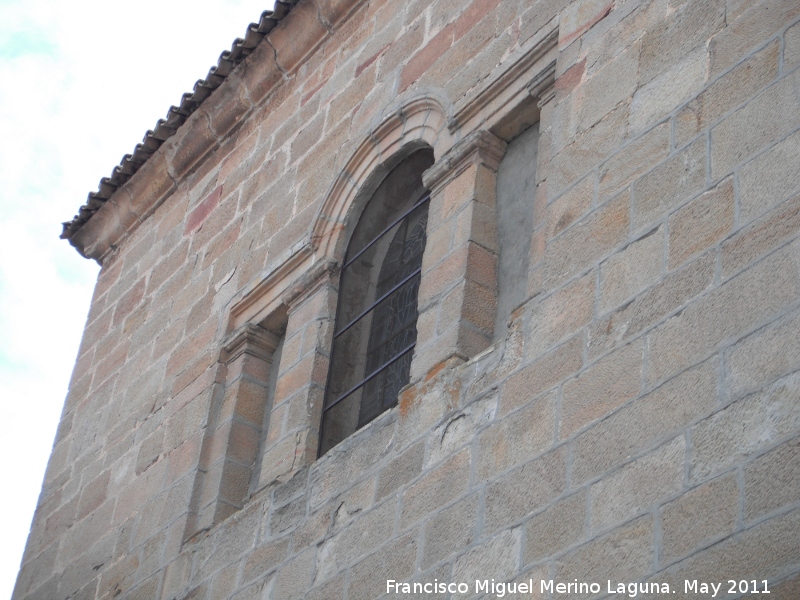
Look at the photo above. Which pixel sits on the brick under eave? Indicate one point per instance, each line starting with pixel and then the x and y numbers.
pixel 273 59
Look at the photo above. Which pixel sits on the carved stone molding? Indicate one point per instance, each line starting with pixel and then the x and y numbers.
pixel 251 339
pixel 478 147
pixel 310 281
pixel 263 296
pixel 500 92
pixel 417 123
pixel 542 87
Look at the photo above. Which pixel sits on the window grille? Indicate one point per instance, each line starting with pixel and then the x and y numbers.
pixel 376 325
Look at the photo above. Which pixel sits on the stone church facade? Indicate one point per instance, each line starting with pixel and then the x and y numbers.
pixel 600 207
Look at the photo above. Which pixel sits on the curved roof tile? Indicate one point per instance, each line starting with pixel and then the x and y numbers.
pixel 177 115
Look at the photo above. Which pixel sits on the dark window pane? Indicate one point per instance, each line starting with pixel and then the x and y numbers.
pixel 376 323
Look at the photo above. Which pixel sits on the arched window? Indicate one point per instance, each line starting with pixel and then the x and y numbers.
pixel 376 318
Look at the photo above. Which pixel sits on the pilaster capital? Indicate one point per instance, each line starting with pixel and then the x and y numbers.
pixel 318 275
pixel 479 147
pixel 250 339
pixel 542 87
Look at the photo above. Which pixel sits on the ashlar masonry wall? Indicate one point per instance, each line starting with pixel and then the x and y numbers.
pixel 637 422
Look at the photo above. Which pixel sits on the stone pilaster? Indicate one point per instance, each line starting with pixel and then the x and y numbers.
pixel 293 435
pixel 458 291
pixel 233 452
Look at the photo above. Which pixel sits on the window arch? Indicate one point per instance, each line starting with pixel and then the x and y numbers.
pixel 376 318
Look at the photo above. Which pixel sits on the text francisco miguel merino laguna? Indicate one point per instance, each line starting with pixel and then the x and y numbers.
pixel 500 589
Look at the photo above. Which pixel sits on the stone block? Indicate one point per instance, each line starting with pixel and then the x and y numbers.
pixel 449 530
pixel 560 315
pixel 757 125
pixel 764 355
pixel 637 157
pixel 459 429
pixel 601 388
pixel 469 262
pixel 654 101
pixel 418 64
pixel 599 94
pixel 331 12
pixel 638 485
pixel 497 558
pixel 557 528
pixel 424 406
pixel 767 550
pixel 192 142
pixel 227 105
pixel 262 73
pixel 579 17
pixel 624 554
pixel 587 241
pixel 401 48
pixel 525 490
pixel 701 224
pixel 296 36
pixel 677 179
pixel 772 481
pixel 286 517
pixel 725 313
pixel 517 438
pixel 761 237
pixel 645 423
pixel 353 503
pixel 688 27
pixel 702 515
pixel 759 22
pixel 294 578
pixel 363 535
pixel 569 207
pixel 791 49
pixel 436 488
pixel 552 368
pixel 312 530
pixel 745 427
pixel 369 576
pixel 769 178
pixel 651 307
pixel 631 270
pixel 726 93
pixel 588 149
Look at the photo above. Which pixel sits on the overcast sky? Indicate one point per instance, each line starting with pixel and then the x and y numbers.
pixel 80 83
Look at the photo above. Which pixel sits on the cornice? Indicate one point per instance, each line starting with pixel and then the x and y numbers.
pixel 271 50
pixel 479 147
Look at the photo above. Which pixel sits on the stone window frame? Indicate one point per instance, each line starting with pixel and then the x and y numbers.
pixel 458 286
pixel 399 199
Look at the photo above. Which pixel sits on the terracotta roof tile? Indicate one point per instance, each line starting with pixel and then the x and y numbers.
pixel 177 115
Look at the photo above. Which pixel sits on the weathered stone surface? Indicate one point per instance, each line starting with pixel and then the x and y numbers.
pixel 757 125
pixel 632 489
pixel 556 529
pixel 704 514
pixel 602 387
pixel 772 481
pixel 636 421
pixel 744 427
pixel 624 553
pixel 631 270
pixel 643 424
pixel 683 175
pixel 702 223
pixel 727 92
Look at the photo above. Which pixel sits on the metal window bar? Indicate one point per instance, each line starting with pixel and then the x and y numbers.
pixel 378 301
pixel 372 375
pixel 385 231
pixel 409 278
